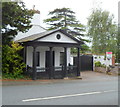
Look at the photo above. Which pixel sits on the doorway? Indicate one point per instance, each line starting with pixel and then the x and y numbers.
pixel 47 59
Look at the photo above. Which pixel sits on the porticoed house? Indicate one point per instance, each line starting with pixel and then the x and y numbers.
pixel 47 53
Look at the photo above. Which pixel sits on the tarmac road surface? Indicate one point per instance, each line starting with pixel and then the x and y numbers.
pixel 93 89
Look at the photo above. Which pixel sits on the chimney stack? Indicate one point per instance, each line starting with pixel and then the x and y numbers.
pixel 36 11
pixel 33 7
pixel 36 16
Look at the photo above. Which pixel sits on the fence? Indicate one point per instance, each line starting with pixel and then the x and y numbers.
pixel 58 72
pixel 86 62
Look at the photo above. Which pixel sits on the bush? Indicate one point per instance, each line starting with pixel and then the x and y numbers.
pixel 103 65
pixel 98 64
pixel 10 76
pixel 12 62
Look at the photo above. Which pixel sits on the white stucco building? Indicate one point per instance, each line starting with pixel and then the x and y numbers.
pixel 47 52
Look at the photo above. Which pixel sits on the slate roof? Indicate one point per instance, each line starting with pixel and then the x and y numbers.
pixel 44 34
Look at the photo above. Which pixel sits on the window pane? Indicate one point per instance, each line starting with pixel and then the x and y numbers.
pixel 61 58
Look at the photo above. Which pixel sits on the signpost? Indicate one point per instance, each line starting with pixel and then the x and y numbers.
pixel 108 58
pixel 109 55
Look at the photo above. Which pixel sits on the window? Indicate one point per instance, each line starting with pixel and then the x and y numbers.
pixel 38 58
pixel 95 57
pixel 61 58
pixel 58 36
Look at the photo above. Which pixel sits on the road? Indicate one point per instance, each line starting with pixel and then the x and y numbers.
pixel 96 90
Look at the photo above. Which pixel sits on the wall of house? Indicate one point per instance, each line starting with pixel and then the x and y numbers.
pixel 42 51
pixel 36 28
pixel 33 30
pixel 102 59
pixel 52 38
pixel 57 55
pixel 36 19
pixel 29 56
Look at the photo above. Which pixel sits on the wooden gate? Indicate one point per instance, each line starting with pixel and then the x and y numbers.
pixel 86 62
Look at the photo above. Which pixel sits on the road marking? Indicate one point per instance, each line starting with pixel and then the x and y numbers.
pixel 63 96
pixel 108 91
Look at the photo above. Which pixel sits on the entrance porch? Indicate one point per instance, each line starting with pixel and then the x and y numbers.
pixel 48 54
pixel 50 62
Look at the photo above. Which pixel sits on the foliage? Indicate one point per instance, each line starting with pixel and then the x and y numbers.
pixel 118 45
pixel 15 18
pixel 98 64
pixel 12 62
pixel 10 76
pixel 0 61
pixel 84 48
pixel 73 50
pixel 103 65
pixel 103 31
pixel 64 18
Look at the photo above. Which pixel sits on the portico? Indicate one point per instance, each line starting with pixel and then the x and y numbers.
pixel 48 54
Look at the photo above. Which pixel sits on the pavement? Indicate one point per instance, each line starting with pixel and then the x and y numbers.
pixel 93 89
pixel 86 76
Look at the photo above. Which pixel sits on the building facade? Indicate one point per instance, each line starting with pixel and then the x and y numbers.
pixel 47 53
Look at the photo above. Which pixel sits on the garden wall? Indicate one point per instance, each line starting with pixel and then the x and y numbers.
pixel 115 70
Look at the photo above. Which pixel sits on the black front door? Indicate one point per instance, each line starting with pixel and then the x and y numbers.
pixel 47 59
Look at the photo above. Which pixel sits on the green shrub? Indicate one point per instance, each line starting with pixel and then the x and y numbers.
pixel 12 62
pixel 10 76
pixel 98 64
pixel 103 65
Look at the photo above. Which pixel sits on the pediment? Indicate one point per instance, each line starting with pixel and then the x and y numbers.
pixel 57 37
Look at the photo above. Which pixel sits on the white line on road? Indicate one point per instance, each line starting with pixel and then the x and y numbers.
pixel 108 91
pixel 63 96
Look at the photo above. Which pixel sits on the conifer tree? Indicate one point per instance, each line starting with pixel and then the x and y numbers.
pixel 64 18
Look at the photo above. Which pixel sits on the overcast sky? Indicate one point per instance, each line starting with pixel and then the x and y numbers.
pixel 82 8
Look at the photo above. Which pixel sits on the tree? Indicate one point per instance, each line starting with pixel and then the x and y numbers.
pixel 15 18
pixel 12 62
pixel 64 18
pixel 118 45
pixel 103 31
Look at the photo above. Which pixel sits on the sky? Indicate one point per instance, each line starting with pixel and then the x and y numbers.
pixel 82 8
